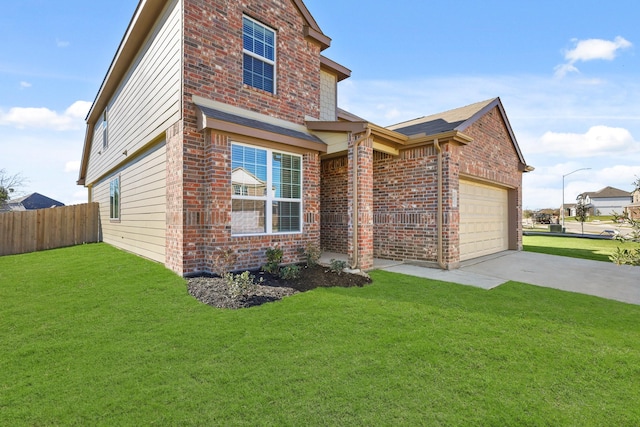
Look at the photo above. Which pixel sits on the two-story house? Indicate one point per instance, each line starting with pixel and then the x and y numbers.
pixel 606 201
pixel 217 126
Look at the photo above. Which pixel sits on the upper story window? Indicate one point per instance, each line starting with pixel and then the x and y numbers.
pixel 266 191
pixel 259 59
pixel 105 140
pixel 114 199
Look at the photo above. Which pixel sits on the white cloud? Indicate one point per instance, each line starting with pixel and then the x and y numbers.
pixel 62 43
pixel 45 118
pixel 25 85
pixel 589 50
pixel 597 141
pixel 72 166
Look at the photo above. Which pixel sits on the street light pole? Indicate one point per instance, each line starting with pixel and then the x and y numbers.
pixel 562 208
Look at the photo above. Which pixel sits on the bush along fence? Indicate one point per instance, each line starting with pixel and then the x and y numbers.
pixel 38 230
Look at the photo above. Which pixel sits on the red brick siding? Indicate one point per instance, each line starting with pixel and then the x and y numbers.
pixel 213 58
pixel 492 157
pixel 333 200
pixel 210 227
pixel 199 211
pixel 405 205
pixel 363 152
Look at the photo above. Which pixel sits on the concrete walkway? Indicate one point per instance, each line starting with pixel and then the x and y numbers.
pixel 602 279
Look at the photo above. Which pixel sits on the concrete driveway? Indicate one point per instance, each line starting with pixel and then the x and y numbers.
pixel 602 279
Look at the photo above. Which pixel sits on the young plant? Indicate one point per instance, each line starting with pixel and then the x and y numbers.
pixel 274 258
pixel 312 254
pixel 224 261
pixel 290 272
pixel 337 265
pixel 240 285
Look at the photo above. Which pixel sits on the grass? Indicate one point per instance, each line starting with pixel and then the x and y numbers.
pixel 576 247
pixel 93 336
pixel 592 218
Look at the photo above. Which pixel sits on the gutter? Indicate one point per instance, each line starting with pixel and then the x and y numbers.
pixel 356 157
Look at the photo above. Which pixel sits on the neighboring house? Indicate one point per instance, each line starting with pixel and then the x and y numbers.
pixel 30 202
pixel 606 201
pixel 569 209
pixel 217 127
pixel 633 210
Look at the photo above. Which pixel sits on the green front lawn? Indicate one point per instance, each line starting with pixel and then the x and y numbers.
pixel 576 247
pixel 94 336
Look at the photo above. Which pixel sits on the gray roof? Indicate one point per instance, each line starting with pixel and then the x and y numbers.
pixel 606 193
pixel 257 124
pixel 456 119
pixel 33 201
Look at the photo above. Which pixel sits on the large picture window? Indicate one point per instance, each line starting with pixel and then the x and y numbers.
pixel 114 199
pixel 259 55
pixel 266 191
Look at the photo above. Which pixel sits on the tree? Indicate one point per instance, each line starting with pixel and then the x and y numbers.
pixel 582 212
pixel 9 184
pixel 624 255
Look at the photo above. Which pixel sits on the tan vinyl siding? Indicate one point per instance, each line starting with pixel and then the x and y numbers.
pixel 328 100
pixel 148 99
pixel 142 224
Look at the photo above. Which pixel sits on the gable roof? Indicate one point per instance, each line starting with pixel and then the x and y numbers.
pixel 33 201
pixel 458 119
pixel 607 193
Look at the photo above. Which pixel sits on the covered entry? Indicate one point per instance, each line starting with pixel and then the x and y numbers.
pixel 484 219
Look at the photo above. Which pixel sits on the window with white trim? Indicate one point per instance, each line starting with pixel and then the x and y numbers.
pixel 266 191
pixel 259 59
pixel 114 199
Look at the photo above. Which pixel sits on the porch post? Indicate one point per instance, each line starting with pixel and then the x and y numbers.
pixel 360 197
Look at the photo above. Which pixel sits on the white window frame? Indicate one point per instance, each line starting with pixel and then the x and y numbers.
pixel 115 199
pixel 260 57
pixel 270 196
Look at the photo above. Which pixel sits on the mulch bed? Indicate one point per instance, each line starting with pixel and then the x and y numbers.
pixel 213 290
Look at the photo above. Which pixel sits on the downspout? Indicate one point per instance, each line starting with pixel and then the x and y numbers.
pixel 439 210
pixel 356 144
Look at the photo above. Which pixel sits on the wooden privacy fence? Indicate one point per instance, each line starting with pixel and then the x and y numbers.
pixel 38 230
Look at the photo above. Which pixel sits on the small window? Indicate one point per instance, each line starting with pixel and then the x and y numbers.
pixel 259 60
pixel 114 199
pixel 266 191
pixel 105 140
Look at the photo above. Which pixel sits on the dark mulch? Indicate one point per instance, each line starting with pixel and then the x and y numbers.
pixel 213 290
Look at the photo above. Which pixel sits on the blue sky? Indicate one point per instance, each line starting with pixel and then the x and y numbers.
pixel 566 71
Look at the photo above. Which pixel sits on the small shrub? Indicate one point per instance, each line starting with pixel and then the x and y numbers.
pixel 312 254
pixel 290 272
pixel 337 265
pixel 224 260
pixel 274 258
pixel 240 285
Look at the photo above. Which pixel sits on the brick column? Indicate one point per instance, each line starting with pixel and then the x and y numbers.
pixel 451 205
pixel 362 156
pixel 174 189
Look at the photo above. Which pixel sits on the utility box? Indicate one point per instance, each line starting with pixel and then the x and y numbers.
pixel 555 228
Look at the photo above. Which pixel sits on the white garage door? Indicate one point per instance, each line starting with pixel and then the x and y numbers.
pixel 484 220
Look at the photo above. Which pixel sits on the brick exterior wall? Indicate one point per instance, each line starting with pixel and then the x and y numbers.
pixel 361 156
pixel 199 172
pixel 492 157
pixel 405 204
pixel 404 194
pixel 333 200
